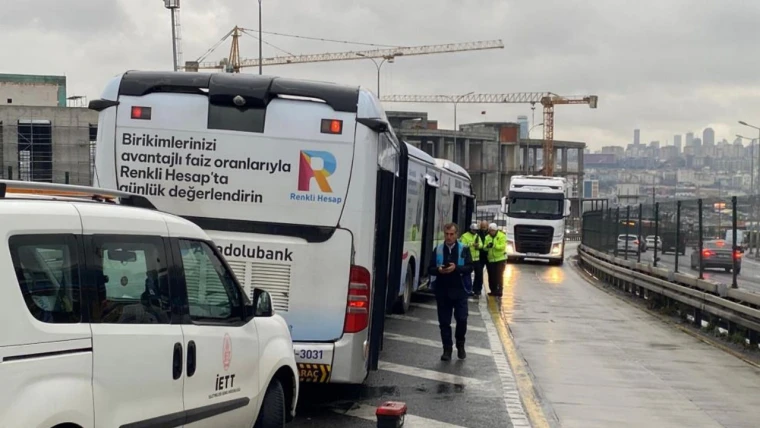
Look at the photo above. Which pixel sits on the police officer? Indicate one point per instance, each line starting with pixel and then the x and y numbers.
pixel 483 232
pixel 472 240
pixel 496 245
pixel 451 261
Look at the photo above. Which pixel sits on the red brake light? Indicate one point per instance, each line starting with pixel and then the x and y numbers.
pixel 707 253
pixel 332 126
pixel 357 308
pixel 737 254
pixel 139 112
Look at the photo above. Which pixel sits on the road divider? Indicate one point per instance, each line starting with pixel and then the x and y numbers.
pixel 736 310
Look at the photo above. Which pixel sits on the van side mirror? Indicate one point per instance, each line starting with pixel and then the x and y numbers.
pixel 566 213
pixel 503 205
pixel 262 303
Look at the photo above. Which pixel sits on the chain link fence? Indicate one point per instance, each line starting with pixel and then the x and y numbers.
pixel 712 235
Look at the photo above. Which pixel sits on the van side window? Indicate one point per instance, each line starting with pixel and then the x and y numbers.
pixel 212 293
pixel 132 280
pixel 47 269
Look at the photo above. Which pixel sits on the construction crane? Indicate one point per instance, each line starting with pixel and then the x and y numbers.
pixel 234 63
pixel 173 6
pixel 546 99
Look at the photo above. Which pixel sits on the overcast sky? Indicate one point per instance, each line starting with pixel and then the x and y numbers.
pixel 667 67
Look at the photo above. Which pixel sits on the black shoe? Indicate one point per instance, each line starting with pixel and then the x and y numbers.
pixel 446 355
pixel 461 354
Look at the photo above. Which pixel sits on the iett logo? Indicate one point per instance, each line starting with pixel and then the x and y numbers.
pixel 306 170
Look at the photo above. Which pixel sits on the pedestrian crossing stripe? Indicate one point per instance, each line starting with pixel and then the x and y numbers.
pixel 314 373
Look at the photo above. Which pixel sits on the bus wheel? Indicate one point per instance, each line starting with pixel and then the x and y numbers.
pixel 403 303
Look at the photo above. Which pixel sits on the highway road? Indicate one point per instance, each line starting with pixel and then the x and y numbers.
pixel 748 279
pixel 596 360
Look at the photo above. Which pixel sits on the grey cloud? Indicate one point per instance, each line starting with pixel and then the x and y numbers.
pixel 666 67
pixel 62 18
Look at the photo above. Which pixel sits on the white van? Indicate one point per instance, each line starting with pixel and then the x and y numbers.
pixel 118 315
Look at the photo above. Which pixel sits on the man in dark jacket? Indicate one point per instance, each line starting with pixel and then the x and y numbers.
pixel 450 262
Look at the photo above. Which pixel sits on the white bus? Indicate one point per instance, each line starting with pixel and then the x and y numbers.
pixel 438 192
pixel 302 185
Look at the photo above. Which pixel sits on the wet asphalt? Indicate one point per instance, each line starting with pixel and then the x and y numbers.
pixel 410 365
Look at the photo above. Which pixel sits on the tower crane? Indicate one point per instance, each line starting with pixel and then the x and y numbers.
pixel 234 63
pixel 546 99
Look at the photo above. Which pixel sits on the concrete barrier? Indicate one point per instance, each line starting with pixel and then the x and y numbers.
pixel 732 306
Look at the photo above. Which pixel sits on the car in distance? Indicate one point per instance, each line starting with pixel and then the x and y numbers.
pixel 717 254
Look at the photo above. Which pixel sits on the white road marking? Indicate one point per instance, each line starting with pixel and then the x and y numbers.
pixel 430 374
pixel 410 421
pixel 512 399
pixel 434 344
pixel 433 307
pixel 432 322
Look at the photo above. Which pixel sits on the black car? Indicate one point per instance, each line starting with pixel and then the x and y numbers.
pixel 717 254
pixel 669 243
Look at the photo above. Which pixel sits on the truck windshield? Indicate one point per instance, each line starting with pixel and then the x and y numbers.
pixel 533 207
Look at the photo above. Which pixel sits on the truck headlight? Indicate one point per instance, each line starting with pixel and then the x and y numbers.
pixel 556 249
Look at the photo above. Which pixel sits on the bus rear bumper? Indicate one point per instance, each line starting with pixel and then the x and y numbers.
pixel 344 361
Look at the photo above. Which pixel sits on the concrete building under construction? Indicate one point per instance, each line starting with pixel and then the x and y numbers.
pixel 492 152
pixel 41 139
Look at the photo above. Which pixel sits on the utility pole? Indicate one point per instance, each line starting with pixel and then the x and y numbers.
pixel 173 6
pixel 260 47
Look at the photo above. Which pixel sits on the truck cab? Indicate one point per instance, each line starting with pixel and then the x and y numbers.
pixel 536 208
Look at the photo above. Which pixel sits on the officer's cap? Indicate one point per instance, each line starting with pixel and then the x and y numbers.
pixel 493 226
pixel 474 226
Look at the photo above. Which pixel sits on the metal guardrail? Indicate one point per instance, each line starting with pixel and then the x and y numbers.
pixel 719 304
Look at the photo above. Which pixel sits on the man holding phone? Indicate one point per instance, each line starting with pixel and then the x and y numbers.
pixel 450 263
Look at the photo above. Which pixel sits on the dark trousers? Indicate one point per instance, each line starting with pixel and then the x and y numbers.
pixel 496 276
pixel 477 285
pixel 445 306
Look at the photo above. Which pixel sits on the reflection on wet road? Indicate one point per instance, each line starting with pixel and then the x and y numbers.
pixel 600 362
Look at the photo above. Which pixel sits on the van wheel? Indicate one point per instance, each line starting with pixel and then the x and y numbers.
pixel 403 303
pixel 272 413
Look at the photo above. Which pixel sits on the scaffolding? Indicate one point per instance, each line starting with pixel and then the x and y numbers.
pixel 48 144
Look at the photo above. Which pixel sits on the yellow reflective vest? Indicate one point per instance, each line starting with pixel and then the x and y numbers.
pixel 498 251
pixel 469 239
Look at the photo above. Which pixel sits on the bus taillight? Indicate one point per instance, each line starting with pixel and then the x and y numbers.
pixel 141 112
pixel 357 309
pixel 332 126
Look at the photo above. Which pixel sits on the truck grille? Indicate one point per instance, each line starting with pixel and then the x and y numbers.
pixel 272 277
pixel 533 239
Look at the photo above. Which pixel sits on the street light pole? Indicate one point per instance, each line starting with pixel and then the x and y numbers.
pixel 752 190
pixel 389 58
pixel 456 100
pixel 260 64
pixel 751 163
pixel 527 155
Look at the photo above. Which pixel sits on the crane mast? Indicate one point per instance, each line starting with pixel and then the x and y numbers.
pixel 547 99
pixel 173 6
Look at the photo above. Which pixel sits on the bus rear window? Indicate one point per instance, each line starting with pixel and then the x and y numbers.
pixel 234 119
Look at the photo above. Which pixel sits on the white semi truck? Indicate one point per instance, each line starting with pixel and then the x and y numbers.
pixel 536 208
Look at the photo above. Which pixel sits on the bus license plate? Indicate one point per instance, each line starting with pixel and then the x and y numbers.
pixel 314 362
